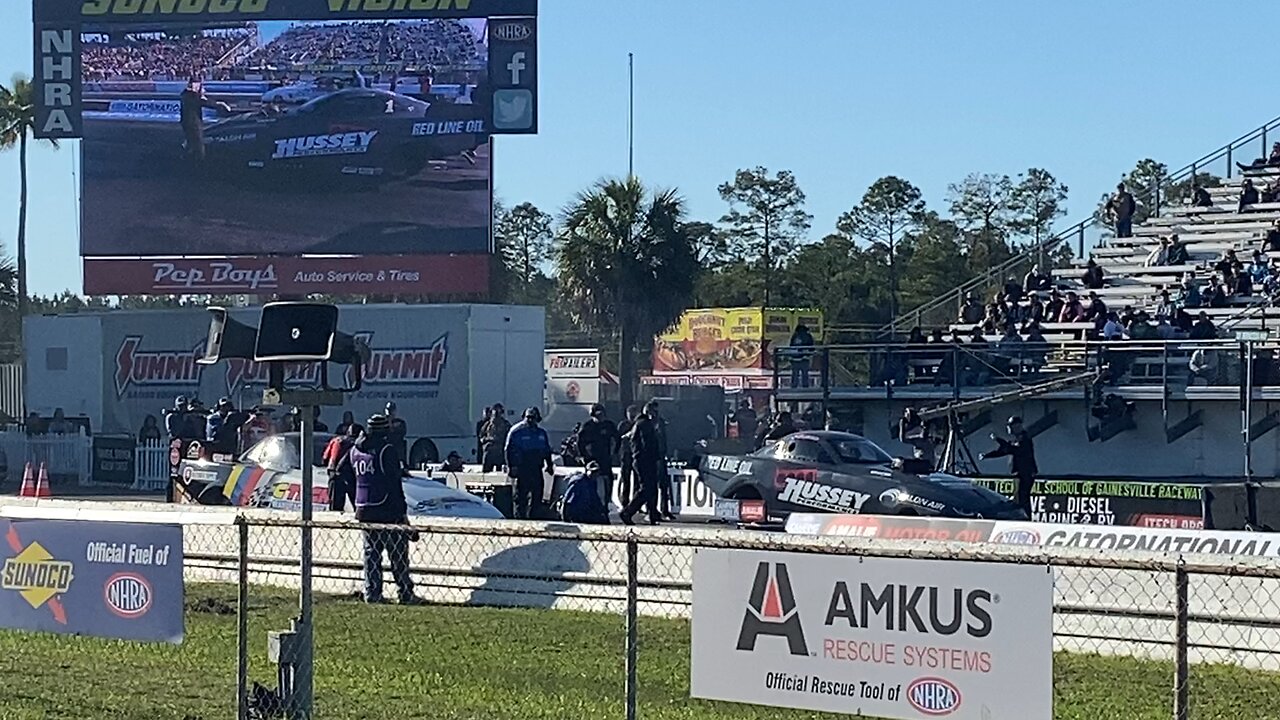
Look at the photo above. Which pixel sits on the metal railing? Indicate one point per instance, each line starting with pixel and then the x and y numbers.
pixel 1151 198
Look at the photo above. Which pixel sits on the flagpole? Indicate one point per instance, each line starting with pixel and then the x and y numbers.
pixel 631 115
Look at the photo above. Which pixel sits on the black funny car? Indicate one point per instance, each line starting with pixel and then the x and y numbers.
pixel 350 133
pixel 845 473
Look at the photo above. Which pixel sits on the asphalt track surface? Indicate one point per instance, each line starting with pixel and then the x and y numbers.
pixel 141 196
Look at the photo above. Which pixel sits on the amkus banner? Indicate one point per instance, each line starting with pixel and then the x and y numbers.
pixel 879 637
pixel 106 579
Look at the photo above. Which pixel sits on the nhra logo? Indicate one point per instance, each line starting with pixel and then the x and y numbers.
pixel 154 367
pixel 771 610
pixel 933 696
pixel 36 576
pixel 512 32
pixel 1017 537
pixel 128 595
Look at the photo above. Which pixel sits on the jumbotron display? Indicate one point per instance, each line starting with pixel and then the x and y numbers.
pixel 286 146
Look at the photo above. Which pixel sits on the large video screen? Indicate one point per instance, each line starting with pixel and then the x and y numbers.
pixel 278 138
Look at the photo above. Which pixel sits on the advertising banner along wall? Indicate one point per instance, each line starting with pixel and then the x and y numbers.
pixel 720 339
pixel 106 579
pixel 878 637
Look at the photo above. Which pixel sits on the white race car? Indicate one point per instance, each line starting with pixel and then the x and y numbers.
pixel 269 475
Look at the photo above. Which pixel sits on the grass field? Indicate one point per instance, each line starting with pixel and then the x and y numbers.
pixel 455 663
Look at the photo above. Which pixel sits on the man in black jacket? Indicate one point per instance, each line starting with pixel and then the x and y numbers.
pixel 1022 459
pixel 597 439
pixel 646 458
pixel 626 471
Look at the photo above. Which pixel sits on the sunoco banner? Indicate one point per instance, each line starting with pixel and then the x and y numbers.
pixel 105 579
pixel 879 637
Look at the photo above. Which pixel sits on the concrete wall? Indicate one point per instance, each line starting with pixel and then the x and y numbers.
pixel 1106 611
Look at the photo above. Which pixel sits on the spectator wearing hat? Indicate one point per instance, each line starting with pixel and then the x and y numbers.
pixel 528 453
pixel 598 442
pixel 1122 208
pixel 175 419
pixel 1021 451
pixel 380 500
pixel 452 463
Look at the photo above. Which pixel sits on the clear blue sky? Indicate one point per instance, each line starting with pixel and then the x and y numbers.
pixel 839 91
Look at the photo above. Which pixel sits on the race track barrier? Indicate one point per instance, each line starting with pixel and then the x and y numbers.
pixel 1109 602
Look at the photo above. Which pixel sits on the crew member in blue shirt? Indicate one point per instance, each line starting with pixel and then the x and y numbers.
pixel 528 452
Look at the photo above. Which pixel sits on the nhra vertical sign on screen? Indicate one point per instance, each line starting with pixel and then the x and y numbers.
pixel 877 637
pixel 106 579
pixel 286 146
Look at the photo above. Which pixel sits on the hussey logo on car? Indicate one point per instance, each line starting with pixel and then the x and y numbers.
pixel 933 696
pixel 336 144
pixel 154 367
pixel 898 607
pixel 826 497
pixel 771 610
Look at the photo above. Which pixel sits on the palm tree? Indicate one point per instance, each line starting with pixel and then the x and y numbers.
pixel 627 262
pixel 17 122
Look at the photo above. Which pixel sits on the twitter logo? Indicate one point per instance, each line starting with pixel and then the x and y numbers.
pixel 513 109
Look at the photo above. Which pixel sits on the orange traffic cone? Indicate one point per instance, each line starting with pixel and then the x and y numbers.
pixel 28 488
pixel 42 483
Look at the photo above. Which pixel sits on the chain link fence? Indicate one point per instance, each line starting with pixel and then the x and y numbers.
pixel 528 621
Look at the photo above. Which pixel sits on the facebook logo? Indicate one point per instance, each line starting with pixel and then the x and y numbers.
pixel 512 109
pixel 517 67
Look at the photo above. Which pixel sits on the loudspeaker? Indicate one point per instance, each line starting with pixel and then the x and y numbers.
pixel 228 338
pixel 1226 506
pixel 296 332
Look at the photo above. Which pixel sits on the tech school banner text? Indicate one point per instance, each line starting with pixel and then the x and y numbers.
pixel 106 579
pixel 879 637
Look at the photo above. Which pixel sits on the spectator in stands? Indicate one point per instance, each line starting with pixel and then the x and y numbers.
pixel 1203 366
pixel 1242 284
pixel 1271 242
pixel 1228 264
pixel 971 312
pixel 1092 277
pixel 59 425
pixel 916 336
pixel 1203 329
pixel 1034 311
pixel 976 364
pixel 1012 289
pixel 1036 346
pixel 1200 196
pixel 1072 309
pixel 1178 254
pixel 1096 310
pixel 1126 315
pixel 1272 282
pixel 1271 193
pixel 1112 329
pixel 1164 330
pixel 1142 329
pixel 1248 195
pixel 1036 281
pixel 1165 306
pixel 1010 343
pixel 1214 295
pixel 1272 160
pixel 935 337
pixel 1158 256
pixel 1053 307
pixel 1182 322
pixel 150 432
pixel 1122 207
pixel 1190 291
pixel 801 349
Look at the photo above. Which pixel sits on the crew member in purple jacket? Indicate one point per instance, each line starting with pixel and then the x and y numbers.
pixel 380 499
